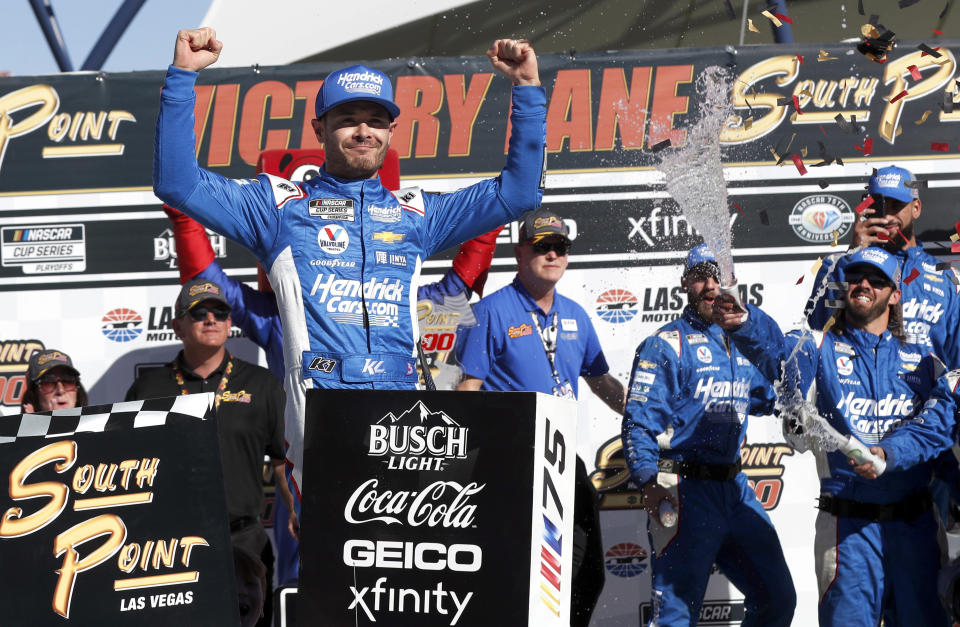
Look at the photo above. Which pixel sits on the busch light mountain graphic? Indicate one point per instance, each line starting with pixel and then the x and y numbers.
pixel 418 439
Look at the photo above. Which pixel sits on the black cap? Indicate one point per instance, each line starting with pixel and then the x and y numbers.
pixel 196 291
pixel 535 225
pixel 44 361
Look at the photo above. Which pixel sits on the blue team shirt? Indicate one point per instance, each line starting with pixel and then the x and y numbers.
pixel 506 352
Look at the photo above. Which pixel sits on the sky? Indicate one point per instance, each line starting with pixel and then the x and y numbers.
pixel 146 45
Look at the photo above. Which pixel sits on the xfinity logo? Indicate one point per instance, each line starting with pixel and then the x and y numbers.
pixel 408 600
pixel 850 405
pixel 656 226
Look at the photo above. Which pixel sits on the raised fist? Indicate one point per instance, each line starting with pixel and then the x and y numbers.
pixel 196 49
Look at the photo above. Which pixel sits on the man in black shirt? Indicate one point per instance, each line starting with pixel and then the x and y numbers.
pixel 249 402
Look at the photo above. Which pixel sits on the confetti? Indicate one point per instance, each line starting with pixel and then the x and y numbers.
pixel 806 92
pixel 907 3
pixel 923 118
pixel 917 184
pixel 898 96
pixel 748 123
pixel 954 237
pixel 937 32
pixel 821 129
pixel 764 218
pixel 835 235
pixel 882 236
pixel 800 57
pixel 829 325
pixel 800 280
pixel 751 27
pixel 956 227
pixel 737 207
pixel 816 266
pixel 770 16
pixel 823 183
pixel 869 30
pixel 915 73
pixel 913 275
pixel 867 147
pixel 941 146
pixel 888 129
pixel 928 50
pixel 846 126
pixel 730 12
pixel 785 18
pixel 866 202
pixel 955 247
pixel 947 103
pixel 803 152
pixel 661 145
pixel 797 161
pixel 825 56
pixel 946 8
pixel 860 7
pixel 943 265
pixel 793 116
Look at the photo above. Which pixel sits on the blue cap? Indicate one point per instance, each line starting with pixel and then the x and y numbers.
pixel 698 255
pixel 357 82
pixel 888 264
pixel 892 182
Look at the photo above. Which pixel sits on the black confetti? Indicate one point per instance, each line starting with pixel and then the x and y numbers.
pixel 946 8
pixel 786 100
pixel 933 53
pixel 947 104
pixel 826 159
pixel 764 218
pixel 874 19
pixel 943 265
pixel 839 161
pixel 860 7
pixel 730 11
pixel 918 184
pixel 661 145
pixel 847 126
pixel 823 184
pixel 907 3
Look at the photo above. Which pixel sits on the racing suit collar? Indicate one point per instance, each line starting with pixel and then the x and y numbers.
pixel 865 339
pixel 691 316
pixel 354 185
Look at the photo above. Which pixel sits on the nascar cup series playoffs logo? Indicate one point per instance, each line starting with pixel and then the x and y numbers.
pixel 816 218
pixel 365 82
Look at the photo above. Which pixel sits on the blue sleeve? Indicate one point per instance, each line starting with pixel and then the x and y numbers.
pixel 946 336
pixel 476 345
pixel 816 310
pixel 450 285
pixel 927 434
pixel 764 344
pixel 244 210
pixel 255 312
pixel 762 397
pixel 462 215
pixel 654 384
pixel 594 361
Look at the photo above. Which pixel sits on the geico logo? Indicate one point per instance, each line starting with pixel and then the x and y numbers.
pixel 709 389
pixel 887 406
pixel 400 440
pixel 373 289
pixel 462 558
pixel 442 503
pixel 923 310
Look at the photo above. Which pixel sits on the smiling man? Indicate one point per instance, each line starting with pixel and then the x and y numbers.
pixel 342 252
pixel 876 548
pixel 686 416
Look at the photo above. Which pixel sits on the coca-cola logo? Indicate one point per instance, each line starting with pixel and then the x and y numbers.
pixel 442 503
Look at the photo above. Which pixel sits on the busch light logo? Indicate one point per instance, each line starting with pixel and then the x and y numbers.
pixel 367 82
pixel 417 439
pixel 815 218
pixel 165 248
pixel 616 306
pixel 871 419
pixel 122 325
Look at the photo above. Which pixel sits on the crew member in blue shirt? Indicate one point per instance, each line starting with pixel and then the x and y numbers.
pixel 686 416
pixel 530 337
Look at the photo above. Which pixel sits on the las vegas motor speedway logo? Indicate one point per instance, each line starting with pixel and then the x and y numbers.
pixel 418 439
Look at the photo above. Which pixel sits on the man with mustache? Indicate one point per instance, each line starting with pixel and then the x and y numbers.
pixel 688 401
pixel 876 548
pixel 342 252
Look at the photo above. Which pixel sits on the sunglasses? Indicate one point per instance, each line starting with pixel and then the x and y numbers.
pixel 199 314
pixel 559 246
pixel 889 205
pixel 49 383
pixel 876 281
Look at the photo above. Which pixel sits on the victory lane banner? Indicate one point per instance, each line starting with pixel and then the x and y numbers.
pixel 115 515
pixel 437 508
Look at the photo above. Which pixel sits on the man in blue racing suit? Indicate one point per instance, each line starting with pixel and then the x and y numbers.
pixel 341 251
pixel 876 546
pixel 688 401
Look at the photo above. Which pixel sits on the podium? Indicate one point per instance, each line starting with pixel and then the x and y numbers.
pixel 437 508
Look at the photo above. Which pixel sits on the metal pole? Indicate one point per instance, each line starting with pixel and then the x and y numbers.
pixel 112 34
pixel 782 34
pixel 51 30
pixel 743 21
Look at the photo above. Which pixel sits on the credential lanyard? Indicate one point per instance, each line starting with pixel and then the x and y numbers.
pixel 220 388
pixel 549 343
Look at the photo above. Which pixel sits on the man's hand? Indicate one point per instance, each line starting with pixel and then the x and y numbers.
pixel 727 315
pixel 867 471
pixel 515 59
pixel 293 525
pixel 196 49
pixel 28 408
pixel 653 493
pixel 867 227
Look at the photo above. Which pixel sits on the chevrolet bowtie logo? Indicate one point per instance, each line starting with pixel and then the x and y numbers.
pixel 388 237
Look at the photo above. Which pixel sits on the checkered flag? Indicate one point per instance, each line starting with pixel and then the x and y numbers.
pixel 98 418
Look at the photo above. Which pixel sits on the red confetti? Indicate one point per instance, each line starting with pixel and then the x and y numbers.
pixel 913 274
pixel 866 202
pixel 914 72
pixel 867 146
pixel 882 236
pixel 900 233
pixel 783 18
pixel 924 53
pixel 941 146
pixel 798 161
pixel 821 130
pixel 796 105
pixel 957 228
pixel 800 280
pixel 800 57
pixel 898 96
pixel 937 32
pixel 737 207
pixel 955 247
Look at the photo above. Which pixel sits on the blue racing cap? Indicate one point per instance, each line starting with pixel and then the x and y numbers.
pixel 698 255
pixel 357 82
pixel 879 259
pixel 892 183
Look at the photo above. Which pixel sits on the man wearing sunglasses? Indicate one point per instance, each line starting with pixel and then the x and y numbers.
pixel 689 398
pixel 876 548
pixel 249 403
pixel 528 337
pixel 52 383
